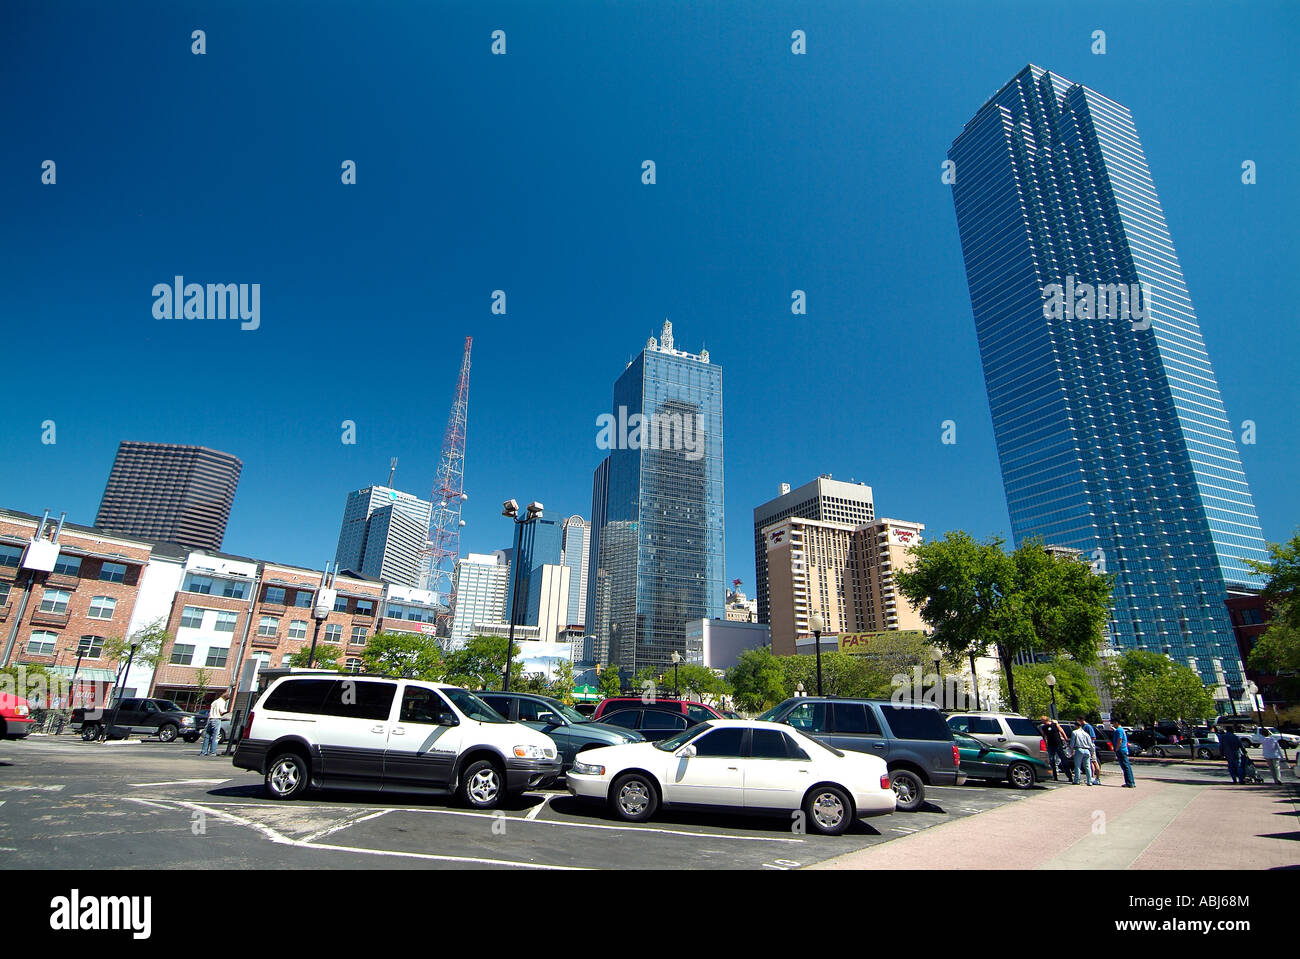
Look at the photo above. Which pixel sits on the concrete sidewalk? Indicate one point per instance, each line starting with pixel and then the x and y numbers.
pixel 1179 817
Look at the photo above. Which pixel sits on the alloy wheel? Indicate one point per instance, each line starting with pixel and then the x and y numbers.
pixel 827 810
pixel 484 786
pixel 284 777
pixel 633 798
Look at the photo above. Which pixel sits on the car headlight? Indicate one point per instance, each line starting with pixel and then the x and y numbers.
pixel 534 752
pixel 20 710
pixel 587 769
pixel 187 721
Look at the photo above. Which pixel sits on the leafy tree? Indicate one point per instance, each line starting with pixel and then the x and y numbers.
pixel 403 654
pixel 149 641
pixel 1282 571
pixel 480 663
pixel 842 675
pixel 1148 686
pixel 1029 601
pixel 699 681
pixel 610 683
pixel 327 657
pixel 1278 649
pixel 561 687
pixel 1075 693
pixel 28 681
pixel 757 679
pixel 531 683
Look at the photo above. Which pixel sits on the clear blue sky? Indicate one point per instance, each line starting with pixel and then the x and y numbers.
pixel 522 173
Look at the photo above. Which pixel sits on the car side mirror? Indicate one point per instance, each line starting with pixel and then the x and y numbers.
pixel 447 719
pixel 552 719
pixel 687 752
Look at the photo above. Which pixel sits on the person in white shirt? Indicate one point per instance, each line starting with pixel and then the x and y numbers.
pixel 1272 751
pixel 1083 748
pixel 212 731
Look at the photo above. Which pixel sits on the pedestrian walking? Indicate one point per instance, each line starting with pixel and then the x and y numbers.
pixel 1119 739
pixel 1230 746
pixel 1055 738
pixel 1095 762
pixel 1272 750
pixel 1083 745
pixel 212 731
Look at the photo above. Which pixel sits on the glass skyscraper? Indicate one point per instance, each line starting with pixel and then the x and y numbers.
pixel 1111 433
pixel 577 554
pixel 657 509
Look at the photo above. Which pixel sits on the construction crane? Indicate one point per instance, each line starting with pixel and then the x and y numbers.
pixel 443 548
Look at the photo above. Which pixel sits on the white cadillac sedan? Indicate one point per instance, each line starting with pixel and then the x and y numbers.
pixel 739 764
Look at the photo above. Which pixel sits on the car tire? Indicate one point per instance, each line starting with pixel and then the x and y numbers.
pixel 287 776
pixel 89 732
pixel 1021 775
pixel 633 798
pixel 828 810
pixel 1204 753
pixel 908 789
pixel 167 733
pixel 1158 752
pixel 482 785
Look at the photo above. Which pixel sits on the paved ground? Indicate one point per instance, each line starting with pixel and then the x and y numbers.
pixel 1181 816
pixel 69 804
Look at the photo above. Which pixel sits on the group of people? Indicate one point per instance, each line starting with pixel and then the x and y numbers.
pixel 1080 747
pixel 1234 749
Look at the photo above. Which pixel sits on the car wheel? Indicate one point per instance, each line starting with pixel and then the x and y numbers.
pixel 167 733
pixel 1204 754
pixel 1158 752
pixel 287 776
pixel 89 732
pixel 1021 776
pixel 908 788
pixel 828 810
pixel 634 798
pixel 481 785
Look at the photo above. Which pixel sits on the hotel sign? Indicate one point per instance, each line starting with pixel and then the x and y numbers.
pixel 860 643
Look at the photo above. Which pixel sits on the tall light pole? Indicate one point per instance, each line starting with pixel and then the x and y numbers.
pixel 1051 685
pixel 974 680
pixel 510 509
pixel 818 624
pixel 937 656
pixel 320 609
pixel 677 658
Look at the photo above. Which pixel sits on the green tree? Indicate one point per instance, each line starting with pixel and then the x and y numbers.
pixel 561 685
pixel 1075 694
pixel 1148 686
pixel 327 657
pixel 480 663
pixel 1029 601
pixel 842 675
pixel 757 679
pixel 403 654
pixel 699 681
pixel 610 683
pixel 1282 575
pixel 149 641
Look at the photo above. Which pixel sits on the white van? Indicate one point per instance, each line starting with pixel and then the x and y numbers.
pixel 397 735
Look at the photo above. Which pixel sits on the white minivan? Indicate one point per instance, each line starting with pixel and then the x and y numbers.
pixel 335 731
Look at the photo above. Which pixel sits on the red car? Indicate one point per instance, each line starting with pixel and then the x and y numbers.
pixel 15 717
pixel 695 712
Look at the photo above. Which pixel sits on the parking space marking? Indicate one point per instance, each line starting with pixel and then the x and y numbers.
pixel 31 789
pixel 347 823
pixel 185 782
pixel 536 810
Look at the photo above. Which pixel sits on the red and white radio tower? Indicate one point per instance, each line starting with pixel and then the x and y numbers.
pixel 449 494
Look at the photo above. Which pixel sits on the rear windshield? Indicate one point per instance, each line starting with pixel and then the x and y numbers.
pixel 1024 727
pixel 911 722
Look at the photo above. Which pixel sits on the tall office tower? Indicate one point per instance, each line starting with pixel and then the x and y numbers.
pixel 659 549
pixel 162 491
pixel 832 500
pixel 541 543
pixel 577 554
pixel 1111 433
pixel 594 649
pixel 480 595
pixel 383 533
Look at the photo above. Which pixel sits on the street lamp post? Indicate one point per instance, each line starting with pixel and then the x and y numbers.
pixel 677 658
pixel 818 624
pixel 1051 685
pixel 510 509
pixel 975 680
pixel 936 657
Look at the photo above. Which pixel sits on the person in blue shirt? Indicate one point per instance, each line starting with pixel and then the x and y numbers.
pixel 1230 747
pixel 1119 739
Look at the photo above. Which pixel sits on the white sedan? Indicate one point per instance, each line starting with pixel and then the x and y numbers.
pixel 739 764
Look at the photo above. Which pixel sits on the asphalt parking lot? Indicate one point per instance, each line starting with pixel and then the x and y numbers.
pixel 66 804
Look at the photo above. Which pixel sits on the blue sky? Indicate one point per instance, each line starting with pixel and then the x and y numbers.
pixel 522 173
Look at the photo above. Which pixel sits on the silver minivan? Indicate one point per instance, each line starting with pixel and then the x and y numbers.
pixel 1002 731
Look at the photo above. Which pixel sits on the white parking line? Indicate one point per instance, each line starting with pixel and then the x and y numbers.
pixel 186 782
pixel 338 827
pixel 30 789
pixel 536 810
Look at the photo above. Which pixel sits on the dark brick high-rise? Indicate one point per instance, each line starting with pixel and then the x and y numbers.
pixel 162 491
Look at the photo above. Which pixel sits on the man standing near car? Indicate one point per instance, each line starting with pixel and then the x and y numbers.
pixel 212 731
pixel 1119 739
pixel 1054 735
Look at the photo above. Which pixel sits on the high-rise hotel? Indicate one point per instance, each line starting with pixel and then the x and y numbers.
pixel 1111 433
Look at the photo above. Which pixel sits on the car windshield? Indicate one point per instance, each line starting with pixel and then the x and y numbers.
pixel 685 736
pixel 167 706
pixel 966 742
pixel 568 712
pixel 769 715
pixel 473 707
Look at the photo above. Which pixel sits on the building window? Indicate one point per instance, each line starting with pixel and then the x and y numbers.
pixel 234 589
pixel 101 607
pixel 358 636
pixel 198 584
pixel 182 654
pixel 263 659
pixel 4 593
pixel 42 643
pixel 68 566
pixel 365 608
pixel 302 598
pixel 90 647
pixel 55 601
pixel 340 604
pixel 353 665
pixel 284 660
pixel 268 626
pixel 192 617
pixel 112 572
pixel 217 657
pixel 10 556
pixel 298 629
pixel 334 633
pixel 226 621
pixel 275 595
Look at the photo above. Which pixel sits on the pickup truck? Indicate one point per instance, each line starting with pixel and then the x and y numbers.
pixel 151 717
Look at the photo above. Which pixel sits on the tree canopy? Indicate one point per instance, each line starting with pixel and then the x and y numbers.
pixel 405 655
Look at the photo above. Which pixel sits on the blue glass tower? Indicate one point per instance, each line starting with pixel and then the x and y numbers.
pixel 539 545
pixel 657 509
pixel 1111 433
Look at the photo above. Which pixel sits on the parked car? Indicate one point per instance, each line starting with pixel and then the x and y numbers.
pixel 587 709
pixel 223 729
pixel 738 764
pixel 650 724
pixel 395 735
pixel 982 761
pixel 1002 731
pixel 150 717
pixel 914 740
pixel 695 712
pixel 571 731
pixel 15 716
pixel 1285 740
pixel 1161 746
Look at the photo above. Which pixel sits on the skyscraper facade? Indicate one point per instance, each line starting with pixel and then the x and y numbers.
pixel 1111 432
pixel 576 556
pixel 480 595
pixel 541 543
pixel 659 548
pixel 162 491
pixel 382 534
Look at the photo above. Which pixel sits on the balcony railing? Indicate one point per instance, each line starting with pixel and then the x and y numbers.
pixel 58 620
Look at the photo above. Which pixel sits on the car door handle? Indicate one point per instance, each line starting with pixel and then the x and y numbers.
pixel 877 745
pixel 399 731
pixel 732 768
pixel 376 729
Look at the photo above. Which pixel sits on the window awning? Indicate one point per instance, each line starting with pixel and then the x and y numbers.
pixel 87 673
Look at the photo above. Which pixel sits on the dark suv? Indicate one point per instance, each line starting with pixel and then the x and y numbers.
pixel 913 740
pixel 160 717
pixel 571 731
